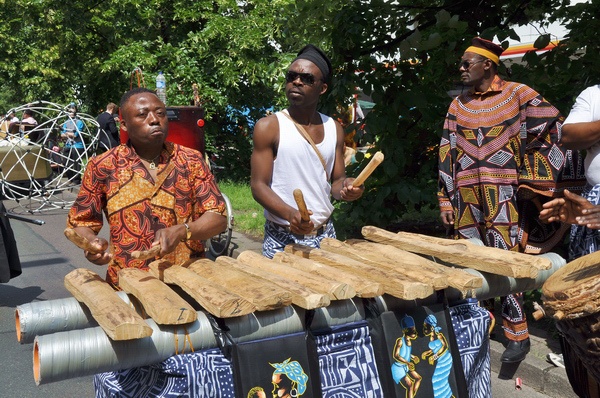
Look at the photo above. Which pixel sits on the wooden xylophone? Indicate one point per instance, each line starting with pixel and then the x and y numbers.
pixel 257 297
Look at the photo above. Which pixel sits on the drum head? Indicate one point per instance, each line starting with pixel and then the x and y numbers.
pixel 574 290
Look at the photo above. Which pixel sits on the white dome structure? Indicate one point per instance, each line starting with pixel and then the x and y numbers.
pixel 35 167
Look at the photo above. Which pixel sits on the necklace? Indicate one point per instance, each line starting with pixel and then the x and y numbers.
pixel 152 162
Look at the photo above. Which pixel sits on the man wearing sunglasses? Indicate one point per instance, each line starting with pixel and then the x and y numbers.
pixel 300 148
pixel 499 159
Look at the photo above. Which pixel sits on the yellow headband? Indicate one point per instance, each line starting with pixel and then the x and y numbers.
pixel 485 53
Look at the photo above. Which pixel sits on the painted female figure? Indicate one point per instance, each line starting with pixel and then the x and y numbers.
pixel 289 379
pixel 438 352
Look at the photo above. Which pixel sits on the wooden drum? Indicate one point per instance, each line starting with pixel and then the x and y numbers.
pixel 572 296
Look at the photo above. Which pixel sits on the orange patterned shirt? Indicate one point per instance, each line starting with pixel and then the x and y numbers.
pixel 117 184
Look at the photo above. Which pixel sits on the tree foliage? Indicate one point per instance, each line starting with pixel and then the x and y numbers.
pixel 402 54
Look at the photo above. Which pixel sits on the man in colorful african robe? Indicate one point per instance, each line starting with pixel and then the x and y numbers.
pixel 499 159
pixel 151 192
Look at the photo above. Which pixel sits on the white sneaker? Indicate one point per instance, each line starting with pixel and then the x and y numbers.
pixel 556 359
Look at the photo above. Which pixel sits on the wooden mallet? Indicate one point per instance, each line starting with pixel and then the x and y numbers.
pixel 299 198
pixel 369 168
pixel 82 242
pixel 146 254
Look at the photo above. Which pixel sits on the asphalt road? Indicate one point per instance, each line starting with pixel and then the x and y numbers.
pixel 46 257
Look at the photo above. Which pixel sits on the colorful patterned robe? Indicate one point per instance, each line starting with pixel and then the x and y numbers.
pixel 499 159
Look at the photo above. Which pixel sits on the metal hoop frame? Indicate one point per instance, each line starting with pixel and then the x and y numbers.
pixel 22 154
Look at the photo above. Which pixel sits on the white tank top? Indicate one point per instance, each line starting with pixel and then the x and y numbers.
pixel 587 109
pixel 297 166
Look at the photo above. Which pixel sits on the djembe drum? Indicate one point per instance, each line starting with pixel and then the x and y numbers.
pixel 572 297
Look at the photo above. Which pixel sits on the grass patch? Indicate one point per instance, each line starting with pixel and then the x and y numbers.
pixel 249 217
pixel 247 213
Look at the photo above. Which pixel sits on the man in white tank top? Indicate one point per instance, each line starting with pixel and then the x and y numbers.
pixel 284 160
pixel 581 130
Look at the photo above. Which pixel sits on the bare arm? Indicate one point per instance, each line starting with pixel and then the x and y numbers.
pixel 580 130
pixel 266 140
pixel 579 136
pixel 341 186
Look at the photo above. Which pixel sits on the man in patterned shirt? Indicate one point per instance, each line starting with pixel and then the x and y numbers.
pixel 499 159
pixel 152 192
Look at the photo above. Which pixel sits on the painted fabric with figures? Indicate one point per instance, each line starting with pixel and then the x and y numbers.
pixel 285 366
pixel 422 355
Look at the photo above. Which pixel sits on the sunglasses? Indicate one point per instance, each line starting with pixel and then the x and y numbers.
pixel 306 78
pixel 467 64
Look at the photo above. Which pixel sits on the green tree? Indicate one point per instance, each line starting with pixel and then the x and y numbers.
pixel 404 56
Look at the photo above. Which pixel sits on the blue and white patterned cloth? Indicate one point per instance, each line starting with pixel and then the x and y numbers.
pixel 278 237
pixel 347 363
pixel 583 239
pixel 201 374
pixel 471 325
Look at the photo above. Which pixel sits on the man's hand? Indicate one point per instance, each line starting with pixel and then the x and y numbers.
pixel 297 225
pixel 570 209
pixel 349 192
pixel 94 247
pixel 590 217
pixel 169 238
pixel 98 258
pixel 555 210
pixel 447 217
pixel 99 255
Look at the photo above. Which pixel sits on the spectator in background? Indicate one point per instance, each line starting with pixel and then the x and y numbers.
pixel 9 124
pixel 71 134
pixel 12 117
pixel 108 132
pixel 28 118
pixel 27 123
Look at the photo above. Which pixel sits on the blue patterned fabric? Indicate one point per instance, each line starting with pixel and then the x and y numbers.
pixel 583 239
pixel 277 238
pixel 202 374
pixel 471 325
pixel 347 363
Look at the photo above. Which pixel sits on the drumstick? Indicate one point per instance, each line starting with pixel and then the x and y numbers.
pixel 81 241
pixel 146 254
pixel 301 205
pixel 369 168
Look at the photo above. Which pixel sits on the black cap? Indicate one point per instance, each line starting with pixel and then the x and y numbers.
pixel 315 55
